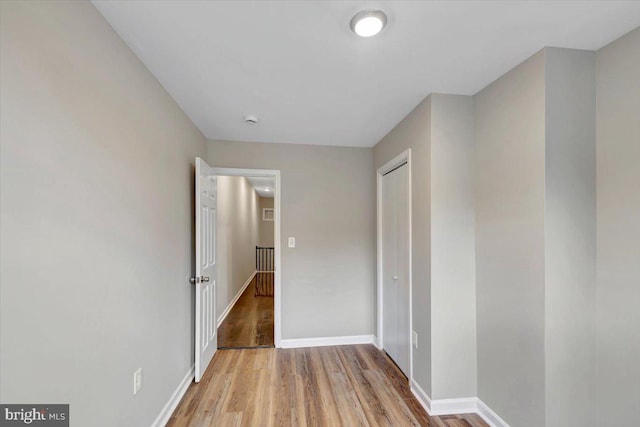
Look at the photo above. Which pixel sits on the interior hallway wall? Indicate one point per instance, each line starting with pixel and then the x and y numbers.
pixel 618 254
pixel 453 262
pixel 509 221
pixel 266 227
pixel 535 240
pixel 96 187
pixel 570 237
pixel 328 205
pixel 238 232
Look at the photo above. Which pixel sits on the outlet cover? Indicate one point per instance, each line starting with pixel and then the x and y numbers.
pixel 137 381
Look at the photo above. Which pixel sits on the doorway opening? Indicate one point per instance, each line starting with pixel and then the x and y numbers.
pixel 248 240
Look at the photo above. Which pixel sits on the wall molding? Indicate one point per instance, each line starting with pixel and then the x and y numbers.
pixel 235 299
pixel 327 341
pixel 167 410
pixel 377 342
pixel 465 405
pixel 422 397
pixel 489 415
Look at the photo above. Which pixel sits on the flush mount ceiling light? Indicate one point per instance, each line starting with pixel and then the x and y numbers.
pixel 267 189
pixel 368 22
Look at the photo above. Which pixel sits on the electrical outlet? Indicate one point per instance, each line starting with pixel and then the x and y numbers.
pixel 414 339
pixel 292 242
pixel 137 381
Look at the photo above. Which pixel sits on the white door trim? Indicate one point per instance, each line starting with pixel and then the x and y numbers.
pixel 277 289
pixel 404 157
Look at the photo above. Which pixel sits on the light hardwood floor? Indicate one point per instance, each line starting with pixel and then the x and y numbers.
pixel 250 321
pixel 322 386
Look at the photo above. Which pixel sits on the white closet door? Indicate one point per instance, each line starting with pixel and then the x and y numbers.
pixel 389 313
pixel 402 269
pixel 395 267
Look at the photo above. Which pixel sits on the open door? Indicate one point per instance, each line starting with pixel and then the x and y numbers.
pixel 205 279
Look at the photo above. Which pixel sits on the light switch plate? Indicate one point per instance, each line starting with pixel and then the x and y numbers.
pixel 414 339
pixel 292 242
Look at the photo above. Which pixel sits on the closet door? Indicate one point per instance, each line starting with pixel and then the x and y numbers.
pixel 389 311
pixel 402 269
pixel 395 267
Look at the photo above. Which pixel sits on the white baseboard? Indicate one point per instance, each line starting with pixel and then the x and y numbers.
pixel 235 299
pixel 466 405
pixel 326 341
pixel 377 342
pixel 421 395
pixel 163 417
pixel 490 416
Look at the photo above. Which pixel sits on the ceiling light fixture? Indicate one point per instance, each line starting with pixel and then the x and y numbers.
pixel 368 22
pixel 267 189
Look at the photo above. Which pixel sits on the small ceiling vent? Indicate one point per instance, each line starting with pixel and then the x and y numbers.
pixel 251 120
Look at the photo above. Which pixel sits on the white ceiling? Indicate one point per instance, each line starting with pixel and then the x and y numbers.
pixel 261 184
pixel 297 66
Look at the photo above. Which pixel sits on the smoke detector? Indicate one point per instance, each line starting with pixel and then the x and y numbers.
pixel 251 119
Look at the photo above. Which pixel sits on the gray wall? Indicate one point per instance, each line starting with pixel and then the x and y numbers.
pixel 266 227
pixel 414 132
pixel 239 218
pixel 509 220
pixel 453 273
pixel 328 205
pixel 96 219
pixel 570 237
pixel 618 207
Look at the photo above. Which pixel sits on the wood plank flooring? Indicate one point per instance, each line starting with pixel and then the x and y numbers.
pixel 322 386
pixel 250 321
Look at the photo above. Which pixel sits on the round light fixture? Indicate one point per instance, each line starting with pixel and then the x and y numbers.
pixel 267 189
pixel 368 23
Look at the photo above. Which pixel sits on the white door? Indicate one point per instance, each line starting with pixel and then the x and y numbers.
pixel 395 267
pixel 205 280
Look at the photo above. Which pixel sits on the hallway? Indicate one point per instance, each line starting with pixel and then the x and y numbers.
pixel 249 324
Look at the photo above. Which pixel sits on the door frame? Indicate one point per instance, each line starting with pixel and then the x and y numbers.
pixel 277 294
pixel 399 160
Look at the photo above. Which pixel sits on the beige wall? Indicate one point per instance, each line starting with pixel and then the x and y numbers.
pixel 239 218
pixel 618 259
pixel 535 240
pixel 328 205
pixel 266 227
pixel 509 221
pixel 453 273
pixel 570 237
pixel 97 219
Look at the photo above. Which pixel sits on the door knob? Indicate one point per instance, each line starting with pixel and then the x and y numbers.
pixel 395 277
pixel 201 279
